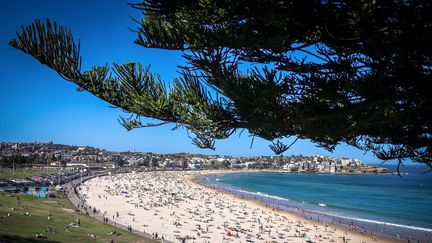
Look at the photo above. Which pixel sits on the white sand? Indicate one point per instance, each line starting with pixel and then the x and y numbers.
pixel 173 206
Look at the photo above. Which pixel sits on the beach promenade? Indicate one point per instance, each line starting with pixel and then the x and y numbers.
pixel 170 206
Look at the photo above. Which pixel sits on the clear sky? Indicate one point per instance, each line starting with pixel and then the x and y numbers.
pixel 37 105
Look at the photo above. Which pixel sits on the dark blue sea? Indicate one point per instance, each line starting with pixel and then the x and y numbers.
pixel 387 204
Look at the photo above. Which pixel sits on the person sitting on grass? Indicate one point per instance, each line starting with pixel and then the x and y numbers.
pixel 40 236
pixel 114 233
pixel 50 230
pixel 76 223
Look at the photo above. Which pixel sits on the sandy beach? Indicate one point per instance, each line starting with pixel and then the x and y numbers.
pixel 171 206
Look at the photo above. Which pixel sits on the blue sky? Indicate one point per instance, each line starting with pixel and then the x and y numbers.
pixel 37 105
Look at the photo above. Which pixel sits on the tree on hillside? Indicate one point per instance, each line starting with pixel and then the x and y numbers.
pixel 355 72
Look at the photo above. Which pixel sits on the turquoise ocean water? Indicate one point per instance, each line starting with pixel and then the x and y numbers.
pixel 403 204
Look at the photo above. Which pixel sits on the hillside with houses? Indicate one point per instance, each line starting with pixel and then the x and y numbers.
pixel 37 154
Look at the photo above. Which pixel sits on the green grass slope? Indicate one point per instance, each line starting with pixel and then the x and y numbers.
pixel 21 228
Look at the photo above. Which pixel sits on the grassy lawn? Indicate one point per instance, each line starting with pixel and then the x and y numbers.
pixel 21 228
pixel 6 173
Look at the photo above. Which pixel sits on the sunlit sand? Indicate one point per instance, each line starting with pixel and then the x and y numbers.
pixel 174 207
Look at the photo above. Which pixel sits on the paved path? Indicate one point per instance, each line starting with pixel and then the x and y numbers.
pixel 76 201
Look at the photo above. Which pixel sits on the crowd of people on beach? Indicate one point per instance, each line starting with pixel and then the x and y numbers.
pixel 171 206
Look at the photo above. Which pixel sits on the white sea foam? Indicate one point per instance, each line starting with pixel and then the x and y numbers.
pixel 262 194
pixel 381 222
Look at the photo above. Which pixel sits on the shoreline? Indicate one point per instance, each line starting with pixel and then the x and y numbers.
pixel 382 229
pixel 291 214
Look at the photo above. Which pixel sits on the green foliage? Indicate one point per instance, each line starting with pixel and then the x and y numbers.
pixel 120 163
pixel 18 160
pixel 278 147
pixel 357 72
